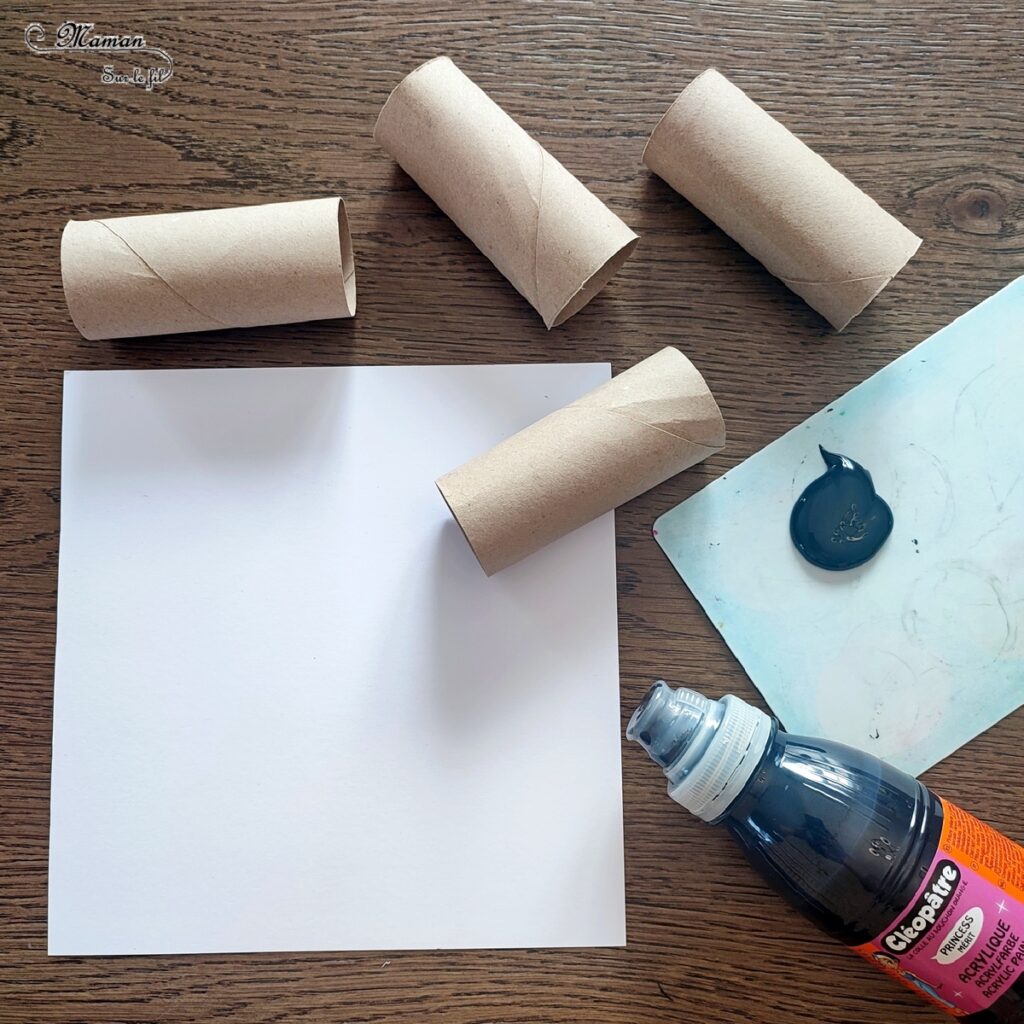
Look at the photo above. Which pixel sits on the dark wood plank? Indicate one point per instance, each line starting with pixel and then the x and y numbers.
pixel 919 104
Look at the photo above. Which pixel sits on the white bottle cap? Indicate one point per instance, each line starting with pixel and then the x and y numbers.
pixel 727 762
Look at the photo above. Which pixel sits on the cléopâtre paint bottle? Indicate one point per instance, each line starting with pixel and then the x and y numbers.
pixel 921 889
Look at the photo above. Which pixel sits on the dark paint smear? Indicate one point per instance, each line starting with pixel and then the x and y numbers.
pixel 839 522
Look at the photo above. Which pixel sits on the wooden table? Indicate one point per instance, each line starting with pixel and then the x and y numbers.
pixel 923 108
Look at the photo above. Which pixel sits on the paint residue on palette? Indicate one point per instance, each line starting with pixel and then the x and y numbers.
pixel 839 522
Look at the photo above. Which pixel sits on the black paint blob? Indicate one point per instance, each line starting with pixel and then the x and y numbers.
pixel 839 522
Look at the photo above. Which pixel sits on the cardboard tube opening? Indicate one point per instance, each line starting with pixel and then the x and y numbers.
pixel 206 270
pixel 549 235
pixel 348 259
pixel 595 284
pixel 621 439
pixel 458 523
pixel 809 225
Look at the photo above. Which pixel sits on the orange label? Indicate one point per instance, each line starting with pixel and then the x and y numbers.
pixel 982 849
pixel 960 942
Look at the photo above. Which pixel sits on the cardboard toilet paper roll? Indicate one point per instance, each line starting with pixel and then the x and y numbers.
pixel 541 227
pixel 619 440
pixel 200 271
pixel 807 223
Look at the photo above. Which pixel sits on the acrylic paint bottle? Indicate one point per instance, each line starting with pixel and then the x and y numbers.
pixel 921 889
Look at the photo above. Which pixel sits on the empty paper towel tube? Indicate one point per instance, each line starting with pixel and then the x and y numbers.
pixel 808 224
pixel 647 424
pixel 543 229
pixel 208 269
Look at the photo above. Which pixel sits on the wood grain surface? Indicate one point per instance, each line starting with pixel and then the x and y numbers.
pixel 920 104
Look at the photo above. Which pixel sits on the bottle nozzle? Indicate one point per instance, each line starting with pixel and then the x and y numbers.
pixel 666 722
pixel 707 748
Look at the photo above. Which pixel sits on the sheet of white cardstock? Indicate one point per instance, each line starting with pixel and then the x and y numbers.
pixel 920 649
pixel 291 712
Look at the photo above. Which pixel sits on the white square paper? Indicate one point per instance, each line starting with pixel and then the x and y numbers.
pixel 291 712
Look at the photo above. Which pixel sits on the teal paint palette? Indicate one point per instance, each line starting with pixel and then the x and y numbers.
pixel 921 648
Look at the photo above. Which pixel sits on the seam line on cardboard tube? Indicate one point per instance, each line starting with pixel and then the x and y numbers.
pixel 536 230
pixel 837 280
pixel 160 278
pixel 711 449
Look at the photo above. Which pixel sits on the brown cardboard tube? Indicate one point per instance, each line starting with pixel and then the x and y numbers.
pixel 542 228
pixel 621 439
pixel 201 271
pixel 807 223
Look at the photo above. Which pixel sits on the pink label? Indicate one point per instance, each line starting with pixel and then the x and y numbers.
pixel 960 942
